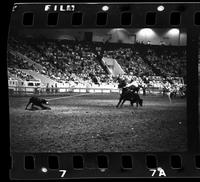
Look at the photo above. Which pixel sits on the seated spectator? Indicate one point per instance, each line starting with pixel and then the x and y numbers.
pixel 70 61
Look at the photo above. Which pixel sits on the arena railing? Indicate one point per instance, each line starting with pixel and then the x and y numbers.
pixel 25 91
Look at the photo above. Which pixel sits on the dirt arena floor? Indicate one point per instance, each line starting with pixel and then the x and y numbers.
pixel 92 123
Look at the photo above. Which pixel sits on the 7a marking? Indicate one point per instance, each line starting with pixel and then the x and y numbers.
pixel 159 170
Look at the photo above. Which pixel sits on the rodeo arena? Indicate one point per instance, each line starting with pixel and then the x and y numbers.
pixel 102 94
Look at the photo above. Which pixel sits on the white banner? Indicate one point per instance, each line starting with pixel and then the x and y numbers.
pixel 113 66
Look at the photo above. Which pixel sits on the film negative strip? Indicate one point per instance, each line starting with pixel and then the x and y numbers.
pixel 104 90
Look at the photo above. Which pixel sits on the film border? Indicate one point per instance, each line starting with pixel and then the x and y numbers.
pixel 139 169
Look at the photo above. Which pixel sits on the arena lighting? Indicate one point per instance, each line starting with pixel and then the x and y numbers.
pixel 119 29
pixel 44 169
pixel 146 32
pixel 174 31
pixel 160 8
pixel 105 8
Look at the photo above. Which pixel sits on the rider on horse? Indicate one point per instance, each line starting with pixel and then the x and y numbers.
pixel 133 85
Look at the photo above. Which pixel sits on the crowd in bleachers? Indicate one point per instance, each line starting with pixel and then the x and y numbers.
pixel 130 61
pixel 17 73
pixel 69 61
pixel 169 61
pixel 60 61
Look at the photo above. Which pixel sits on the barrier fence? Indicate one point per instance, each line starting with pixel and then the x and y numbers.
pixel 23 91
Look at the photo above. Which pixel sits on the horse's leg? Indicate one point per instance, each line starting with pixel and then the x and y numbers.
pixel 131 103
pixel 27 105
pixel 122 103
pixel 119 102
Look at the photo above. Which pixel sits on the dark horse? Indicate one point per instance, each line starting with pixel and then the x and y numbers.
pixel 134 88
pixel 130 96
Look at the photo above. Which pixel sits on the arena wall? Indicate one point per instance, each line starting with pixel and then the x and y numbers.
pixel 124 35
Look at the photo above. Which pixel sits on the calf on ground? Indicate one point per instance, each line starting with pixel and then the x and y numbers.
pixel 130 96
pixel 37 102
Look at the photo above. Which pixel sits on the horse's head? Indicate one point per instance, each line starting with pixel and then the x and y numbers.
pixel 134 88
pixel 121 85
pixel 124 89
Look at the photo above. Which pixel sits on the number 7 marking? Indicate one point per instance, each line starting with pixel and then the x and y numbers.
pixel 154 171
pixel 63 173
